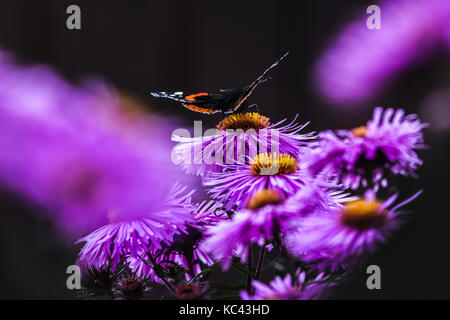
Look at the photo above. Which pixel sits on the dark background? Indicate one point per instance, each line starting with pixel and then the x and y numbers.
pixel 143 46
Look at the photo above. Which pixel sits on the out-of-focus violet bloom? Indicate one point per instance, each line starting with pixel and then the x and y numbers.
pixel 265 219
pixel 364 155
pixel 131 233
pixel 335 238
pixel 287 288
pixel 238 137
pixel 361 60
pixel 73 151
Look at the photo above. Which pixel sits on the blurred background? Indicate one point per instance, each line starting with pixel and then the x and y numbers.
pixel 144 46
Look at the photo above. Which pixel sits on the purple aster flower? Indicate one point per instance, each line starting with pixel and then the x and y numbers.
pixel 238 137
pixel 265 220
pixel 169 259
pixel 364 154
pixel 287 288
pixel 334 237
pixel 184 250
pixel 76 153
pixel 278 172
pixel 361 61
pixel 129 233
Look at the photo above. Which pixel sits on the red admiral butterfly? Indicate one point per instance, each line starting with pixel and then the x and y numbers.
pixel 227 101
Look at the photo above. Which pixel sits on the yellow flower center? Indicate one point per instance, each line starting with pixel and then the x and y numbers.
pixel 363 214
pixel 263 198
pixel 272 164
pixel 359 132
pixel 244 121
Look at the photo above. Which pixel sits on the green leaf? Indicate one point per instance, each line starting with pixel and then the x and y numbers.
pixel 239 268
pixel 222 286
pixel 204 272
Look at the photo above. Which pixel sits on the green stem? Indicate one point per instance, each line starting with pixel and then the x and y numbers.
pixel 249 268
pixel 244 271
pixel 191 266
pixel 164 280
pixel 260 262
pixel 284 253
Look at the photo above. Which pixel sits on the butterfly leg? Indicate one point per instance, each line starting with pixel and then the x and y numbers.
pixel 225 114
pixel 265 79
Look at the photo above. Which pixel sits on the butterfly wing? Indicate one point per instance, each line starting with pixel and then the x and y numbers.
pixel 226 101
pixel 202 102
pixel 249 89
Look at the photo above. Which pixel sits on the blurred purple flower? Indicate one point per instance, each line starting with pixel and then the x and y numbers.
pixel 332 238
pixel 361 60
pixel 364 154
pixel 73 151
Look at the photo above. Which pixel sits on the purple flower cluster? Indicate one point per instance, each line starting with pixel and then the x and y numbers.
pixel 388 143
pixel 315 206
pixel 268 217
pixel 309 200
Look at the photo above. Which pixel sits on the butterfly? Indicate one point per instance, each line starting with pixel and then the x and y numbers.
pixel 226 101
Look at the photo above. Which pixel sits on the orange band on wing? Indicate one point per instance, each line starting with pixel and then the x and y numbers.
pixel 192 96
pixel 242 100
pixel 198 109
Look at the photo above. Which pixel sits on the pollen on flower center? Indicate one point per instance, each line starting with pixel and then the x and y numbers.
pixel 273 164
pixel 263 198
pixel 244 121
pixel 363 214
pixel 359 132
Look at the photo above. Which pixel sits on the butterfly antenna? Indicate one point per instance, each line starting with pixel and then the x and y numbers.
pixel 261 78
pixel 274 64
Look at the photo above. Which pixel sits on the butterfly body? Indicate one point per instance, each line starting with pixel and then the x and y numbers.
pixel 226 101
